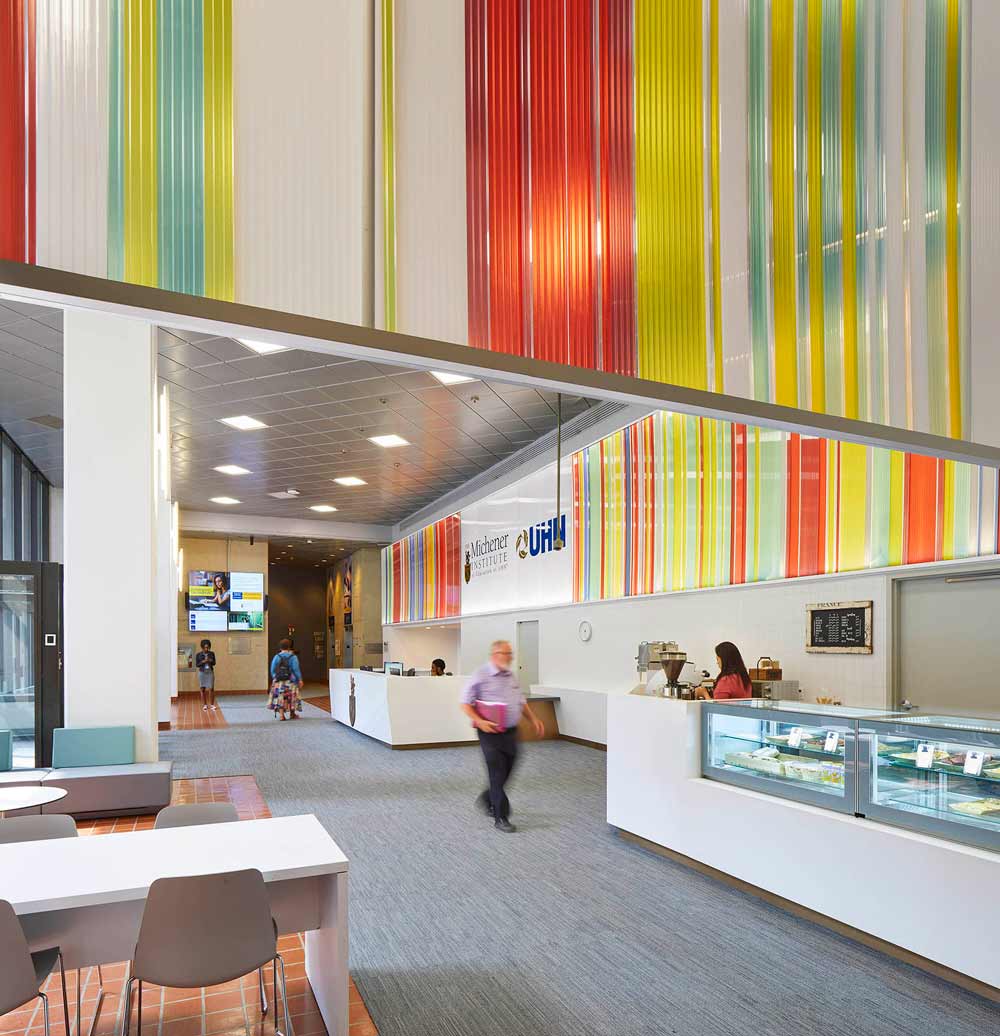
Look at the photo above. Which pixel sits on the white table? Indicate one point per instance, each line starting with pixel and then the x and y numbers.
pixel 87 894
pixel 29 797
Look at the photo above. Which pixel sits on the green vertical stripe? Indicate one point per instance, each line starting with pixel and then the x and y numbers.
pixel 880 490
pixel 116 143
pixel 879 340
pixel 833 333
pixel 771 491
pixel 180 73
pixel 802 158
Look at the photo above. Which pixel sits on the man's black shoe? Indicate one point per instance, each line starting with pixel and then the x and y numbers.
pixel 504 825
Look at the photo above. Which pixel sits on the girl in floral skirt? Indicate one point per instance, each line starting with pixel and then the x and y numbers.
pixel 286 681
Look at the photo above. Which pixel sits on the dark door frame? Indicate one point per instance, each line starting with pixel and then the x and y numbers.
pixel 49 707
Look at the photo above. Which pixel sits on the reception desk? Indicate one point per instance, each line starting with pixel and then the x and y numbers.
pixel 416 711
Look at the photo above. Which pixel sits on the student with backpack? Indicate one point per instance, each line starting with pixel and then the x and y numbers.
pixel 286 679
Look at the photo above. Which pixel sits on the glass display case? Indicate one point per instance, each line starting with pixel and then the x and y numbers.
pixel 788 748
pixel 937 774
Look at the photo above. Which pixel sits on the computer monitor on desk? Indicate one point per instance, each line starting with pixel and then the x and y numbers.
pixel 394 669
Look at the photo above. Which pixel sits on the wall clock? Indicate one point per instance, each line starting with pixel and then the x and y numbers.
pixel 585 630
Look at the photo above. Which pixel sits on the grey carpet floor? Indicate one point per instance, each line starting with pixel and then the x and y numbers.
pixel 563 928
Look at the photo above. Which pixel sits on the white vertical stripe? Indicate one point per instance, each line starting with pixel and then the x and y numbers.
pixel 981 224
pixel 432 281
pixel 916 44
pixel 302 130
pixel 733 198
pixel 71 122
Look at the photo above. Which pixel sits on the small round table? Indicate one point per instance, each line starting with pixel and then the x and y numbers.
pixel 26 798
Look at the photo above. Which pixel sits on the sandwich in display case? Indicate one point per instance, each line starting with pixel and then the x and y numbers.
pixel 787 748
pixel 936 774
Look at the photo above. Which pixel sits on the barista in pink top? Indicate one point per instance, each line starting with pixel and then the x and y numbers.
pixel 733 680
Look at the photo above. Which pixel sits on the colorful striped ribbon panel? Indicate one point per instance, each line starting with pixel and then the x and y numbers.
pixel 679 503
pixel 593 174
pixel 421 575
pixel 170 134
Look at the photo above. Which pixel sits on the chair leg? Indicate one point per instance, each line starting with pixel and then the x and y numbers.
pixel 138 1021
pixel 284 998
pixel 62 976
pixel 263 993
pixel 45 1012
pixel 127 1004
pixel 97 1006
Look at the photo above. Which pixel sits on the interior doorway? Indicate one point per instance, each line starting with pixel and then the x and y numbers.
pixel 527 654
pixel 947 652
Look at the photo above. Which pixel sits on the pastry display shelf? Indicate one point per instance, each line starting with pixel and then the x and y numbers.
pixel 779 741
pixel 937 769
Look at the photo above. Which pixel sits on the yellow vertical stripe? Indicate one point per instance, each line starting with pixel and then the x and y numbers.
pixel 669 192
pixel 680 500
pixel 853 502
pixel 141 154
pixel 220 274
pixel 948 512
pixel 952 134
pixel 814 177
pixel 896 513
pixel 848 58
pixel 716 228
pixel 783 193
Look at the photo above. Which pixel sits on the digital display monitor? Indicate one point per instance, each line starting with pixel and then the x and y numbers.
pixel 246 592
pixel 208 591
pixel 394 668
pixel 246 622
pixel 207 621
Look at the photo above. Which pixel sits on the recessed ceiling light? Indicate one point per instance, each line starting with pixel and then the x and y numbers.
pixel 285 494
pixel 308 541
pixel 224 500
pixel 388 441
pixel 243 423
pixel 447 378
pixel 262 347
pixel 232 469
pixel 350 480
pixel 322 508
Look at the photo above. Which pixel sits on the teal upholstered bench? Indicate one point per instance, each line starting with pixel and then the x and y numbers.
pixel 6 750
pixel 97 767
pixel 92 746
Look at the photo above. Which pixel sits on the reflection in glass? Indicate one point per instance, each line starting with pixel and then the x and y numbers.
pixel 17 664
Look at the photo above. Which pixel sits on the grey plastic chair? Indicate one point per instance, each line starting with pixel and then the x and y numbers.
pixel 40 829
pixel 195 814
pixel 24 973
pixel 202 931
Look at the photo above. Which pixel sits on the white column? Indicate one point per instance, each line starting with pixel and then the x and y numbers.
pixel 109 514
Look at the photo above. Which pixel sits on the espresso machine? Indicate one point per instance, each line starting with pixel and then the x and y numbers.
pixel 665 654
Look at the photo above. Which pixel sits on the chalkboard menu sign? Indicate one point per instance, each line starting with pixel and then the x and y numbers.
pixel 839 627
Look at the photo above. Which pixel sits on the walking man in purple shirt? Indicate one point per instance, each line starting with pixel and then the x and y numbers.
pixel 495 682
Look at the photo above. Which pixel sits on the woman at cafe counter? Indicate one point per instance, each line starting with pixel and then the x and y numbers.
pixel 733 680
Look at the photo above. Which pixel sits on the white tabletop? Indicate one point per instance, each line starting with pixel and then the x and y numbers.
pixel 96 869
pixel 26 798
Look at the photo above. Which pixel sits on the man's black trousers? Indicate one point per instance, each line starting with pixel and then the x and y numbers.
pixel 500 753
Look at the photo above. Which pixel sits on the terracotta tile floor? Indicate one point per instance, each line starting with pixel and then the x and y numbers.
pixel 233 1008
pixel 186 714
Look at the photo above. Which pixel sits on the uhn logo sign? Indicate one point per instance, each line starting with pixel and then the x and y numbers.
pixel 541 537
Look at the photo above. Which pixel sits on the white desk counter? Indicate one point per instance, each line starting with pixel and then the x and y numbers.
pixel 87 895
pixel 402 711
pixel 924 894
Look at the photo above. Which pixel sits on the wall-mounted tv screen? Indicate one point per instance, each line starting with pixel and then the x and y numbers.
pixel 207 621
pixel 219 601
pixel 208 591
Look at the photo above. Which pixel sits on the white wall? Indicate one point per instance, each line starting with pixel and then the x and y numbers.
pixel 415 646
pixel 110 524
pixel 761 619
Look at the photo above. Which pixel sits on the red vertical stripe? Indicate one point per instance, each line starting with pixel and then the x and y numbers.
pixel 739 522
pixel 793 499
pixel 702 518
pixel 30 149
pixel 547 117
pixel 581 186
pixel 475 170
pixel 810 507
pixel 617 187
pixel 634 517
pixel 504 170
pixel 921 475
pixel 397 579
pixel 13 142
pixel 649 433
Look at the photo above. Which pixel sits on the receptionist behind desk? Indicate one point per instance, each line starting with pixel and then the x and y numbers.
pixel 733 680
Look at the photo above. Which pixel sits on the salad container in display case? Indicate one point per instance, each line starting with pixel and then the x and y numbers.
pixel 787 748
pixel 936 774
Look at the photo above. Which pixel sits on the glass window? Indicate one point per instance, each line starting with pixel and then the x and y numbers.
pixel 24 501
pixel 7 502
